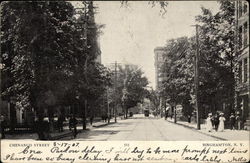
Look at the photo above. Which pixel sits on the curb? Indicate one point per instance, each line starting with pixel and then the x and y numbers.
pixel 70 133
pixel 102 125
pixel 197 130
pixel 67 134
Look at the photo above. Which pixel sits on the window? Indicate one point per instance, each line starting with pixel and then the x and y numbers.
pixel 160 57
pixel 245 35
pixel 240 8
pixel 245 70
pixel 240 37
pixel 240 71
pixel 245 7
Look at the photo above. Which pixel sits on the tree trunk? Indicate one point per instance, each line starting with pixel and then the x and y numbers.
pixel 175 118
pixel 126 110
pixel 84 115
pixel 13 119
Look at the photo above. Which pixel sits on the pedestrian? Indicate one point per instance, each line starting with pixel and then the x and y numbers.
pixel 221 122
pixel 91 119
pixel 45 128
pixel 209 123
pixel 39 128
pixel 189 118
pixel 166 115
pixel 71 122
pixel 216 121
pixel 75 126
pixel 212 120
pixel 103 117
pixel 232 121
pixel 109 117
pixel 3 126
pixel 238 121
pixel 60 123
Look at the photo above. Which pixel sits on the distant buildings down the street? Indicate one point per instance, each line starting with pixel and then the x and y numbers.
pixel 160 56
pixel 159 60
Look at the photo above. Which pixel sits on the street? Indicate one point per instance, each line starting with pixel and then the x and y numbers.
pixel 140 128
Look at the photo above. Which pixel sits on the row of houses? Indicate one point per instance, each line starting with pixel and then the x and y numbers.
pixel 242 88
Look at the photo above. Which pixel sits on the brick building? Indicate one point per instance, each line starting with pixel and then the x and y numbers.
pixel 242 52
pixel 159 61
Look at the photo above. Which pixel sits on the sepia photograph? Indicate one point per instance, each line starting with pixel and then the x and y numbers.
pixel 125 71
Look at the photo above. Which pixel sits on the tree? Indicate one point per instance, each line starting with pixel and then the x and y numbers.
pixel 49 61
pixel 217 58
pixel 130 87
pixel 39 34
pixel 162 4
pixel 216 63
pixel 154 100
pixel 179 73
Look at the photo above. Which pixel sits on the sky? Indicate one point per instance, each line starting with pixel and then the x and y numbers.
pixel 131 33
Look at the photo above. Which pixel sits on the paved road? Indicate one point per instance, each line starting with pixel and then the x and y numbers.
pixel 140 128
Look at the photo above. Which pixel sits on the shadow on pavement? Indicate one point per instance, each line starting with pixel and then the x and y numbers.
pixel 144 118
pixel 95 133
pixel 121 124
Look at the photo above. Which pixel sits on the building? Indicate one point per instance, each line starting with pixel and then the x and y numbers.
pixel 93 26
pixel 160 53
pixel 98 55
pixel 242 52
pixel 159 61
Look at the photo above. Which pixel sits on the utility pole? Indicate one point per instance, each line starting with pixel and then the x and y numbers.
pixel 175 118
pixel 115 111
pixel 196 77
pixel 108 105
pixel 125 82
pixel 86 63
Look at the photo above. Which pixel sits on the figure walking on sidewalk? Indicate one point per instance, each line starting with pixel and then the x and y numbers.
pixel 221 124
pixel 91 119
pixel 60 123
pixel 39 128
pixel 232 121
pixel 72 124
pixel 238 121
pixel 209 123
pixel 216 121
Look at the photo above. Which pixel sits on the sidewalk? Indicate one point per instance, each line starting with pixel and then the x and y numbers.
pixel 58 135
pixel 227 134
